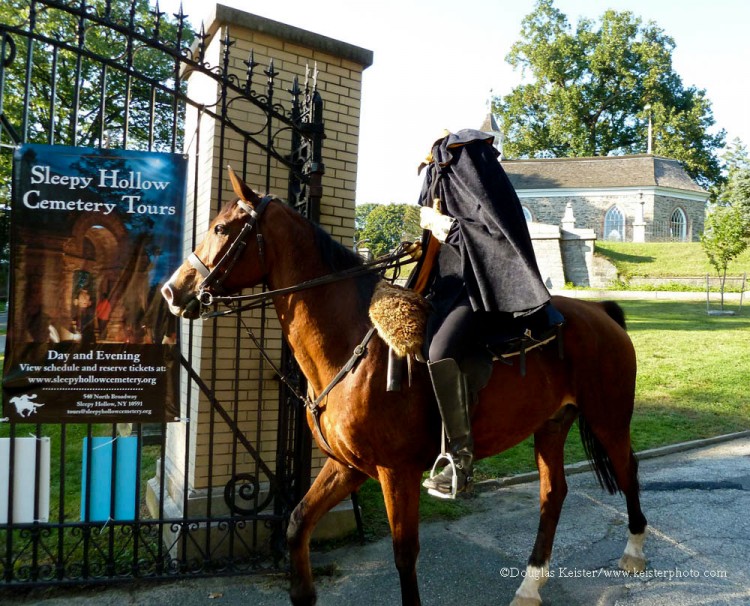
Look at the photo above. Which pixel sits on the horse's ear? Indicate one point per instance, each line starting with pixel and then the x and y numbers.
pixel 242 189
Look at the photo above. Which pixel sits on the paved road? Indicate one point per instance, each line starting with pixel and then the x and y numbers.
pixel 697 503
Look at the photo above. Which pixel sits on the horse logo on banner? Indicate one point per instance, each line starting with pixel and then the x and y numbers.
pixel 25 407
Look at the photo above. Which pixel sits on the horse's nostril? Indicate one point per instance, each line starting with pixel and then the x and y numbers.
pixel 166 292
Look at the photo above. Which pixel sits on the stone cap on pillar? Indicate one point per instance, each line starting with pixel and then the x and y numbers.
pixel 568 221
pixel 578 234
pixel 221 13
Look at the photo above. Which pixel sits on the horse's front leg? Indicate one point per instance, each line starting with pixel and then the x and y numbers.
pixel 333 484
pixel 549 445
pixel 401 494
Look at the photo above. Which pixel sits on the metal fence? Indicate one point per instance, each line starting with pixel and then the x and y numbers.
pixel 103 74
pixel 667 231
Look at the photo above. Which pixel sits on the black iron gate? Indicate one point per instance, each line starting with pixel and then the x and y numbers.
pixel 112 73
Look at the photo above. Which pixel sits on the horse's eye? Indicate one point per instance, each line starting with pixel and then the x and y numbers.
pixel 220 229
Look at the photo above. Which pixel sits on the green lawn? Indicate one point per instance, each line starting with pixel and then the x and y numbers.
pixel 693 372
pixel 664 259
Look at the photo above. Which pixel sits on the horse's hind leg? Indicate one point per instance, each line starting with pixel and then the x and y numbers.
pixel 549 443
pixel 333 484
pixel 633 560
pixel 401 495
pixel 621 463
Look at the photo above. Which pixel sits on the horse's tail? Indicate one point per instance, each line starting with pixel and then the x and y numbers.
pixel 595 452
pixel 602 464
pixel 615 312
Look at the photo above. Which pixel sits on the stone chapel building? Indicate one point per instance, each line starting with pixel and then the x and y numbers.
pixel 633 198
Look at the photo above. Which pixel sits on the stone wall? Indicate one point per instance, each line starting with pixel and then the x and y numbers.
pixel 694 211
pixel 590 209
pixel 546 241
pixel 566 254
pixel 577 247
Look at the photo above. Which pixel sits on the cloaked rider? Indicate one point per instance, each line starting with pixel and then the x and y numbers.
pixel 486 276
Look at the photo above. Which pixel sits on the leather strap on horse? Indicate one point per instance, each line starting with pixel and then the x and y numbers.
pixel 214 278
pixel 419 280
pixel 314 405
pixel 393 260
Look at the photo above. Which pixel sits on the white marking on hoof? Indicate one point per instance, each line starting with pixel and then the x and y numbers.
pixel 634 560
pixel 528 593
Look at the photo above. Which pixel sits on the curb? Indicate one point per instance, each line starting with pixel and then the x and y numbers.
pixel 573 468
pixel 663 295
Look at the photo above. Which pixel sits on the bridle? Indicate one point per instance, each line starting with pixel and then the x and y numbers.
pixel 214 278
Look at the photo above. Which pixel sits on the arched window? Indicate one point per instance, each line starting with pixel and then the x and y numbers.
pixel 527 214
pixel 678 225
pixel 614 225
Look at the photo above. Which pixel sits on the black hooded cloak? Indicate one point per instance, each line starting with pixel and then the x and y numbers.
pixel 489 251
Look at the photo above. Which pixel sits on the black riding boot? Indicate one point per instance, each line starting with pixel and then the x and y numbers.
pixel 452 393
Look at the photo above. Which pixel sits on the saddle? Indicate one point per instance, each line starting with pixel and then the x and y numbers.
pixel 524 333
pixel 400 317
pixel 399 314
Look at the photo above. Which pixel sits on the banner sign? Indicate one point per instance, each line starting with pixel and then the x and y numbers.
pixel 94 235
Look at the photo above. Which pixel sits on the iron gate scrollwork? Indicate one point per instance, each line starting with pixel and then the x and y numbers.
pixel 111 73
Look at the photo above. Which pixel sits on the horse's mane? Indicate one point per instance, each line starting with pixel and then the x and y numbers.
pixel 338 257
pixel 335 256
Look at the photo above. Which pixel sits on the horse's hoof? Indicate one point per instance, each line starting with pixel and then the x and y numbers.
pixel 632 564
pixel 303 599
pixel 519 601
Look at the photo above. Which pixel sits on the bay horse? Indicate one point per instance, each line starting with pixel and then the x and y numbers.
pixel 393 436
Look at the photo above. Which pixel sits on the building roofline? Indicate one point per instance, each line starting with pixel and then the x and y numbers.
pixel 636 170
pixel 588 159
pixel 565 192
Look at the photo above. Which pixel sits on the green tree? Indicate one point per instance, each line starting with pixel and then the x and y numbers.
pixel 56 118
pixel 736 156
pixel 385 226
pixel 360 219
pixel 724 239
pixel 736 190
pixel 586 93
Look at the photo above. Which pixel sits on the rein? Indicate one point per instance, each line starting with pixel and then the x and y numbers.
pixel 392 260
pixel 214 278
pixel 314 405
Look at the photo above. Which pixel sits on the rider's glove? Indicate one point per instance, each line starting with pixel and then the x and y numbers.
pixel 438 224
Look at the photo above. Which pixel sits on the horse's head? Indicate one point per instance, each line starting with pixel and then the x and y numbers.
pixel 226 261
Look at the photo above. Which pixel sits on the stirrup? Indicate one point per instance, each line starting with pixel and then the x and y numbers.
pixel 445 456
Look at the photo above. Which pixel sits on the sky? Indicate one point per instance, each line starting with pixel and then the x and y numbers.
pixel 438 62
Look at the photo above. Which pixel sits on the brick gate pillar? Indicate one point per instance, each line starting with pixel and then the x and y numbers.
pixel 200 456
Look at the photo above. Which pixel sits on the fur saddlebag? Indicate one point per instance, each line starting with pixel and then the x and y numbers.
pixel 400 317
